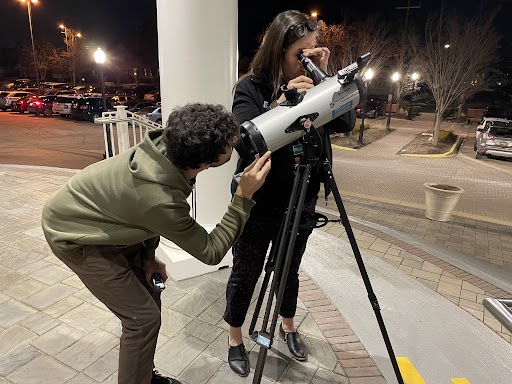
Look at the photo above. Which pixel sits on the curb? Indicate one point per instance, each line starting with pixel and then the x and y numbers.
pixel 351 354
pixel 452 152
pixel 399 203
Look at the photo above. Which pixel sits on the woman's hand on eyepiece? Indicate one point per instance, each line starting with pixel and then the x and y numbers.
pixel 319 55
pixel 254 176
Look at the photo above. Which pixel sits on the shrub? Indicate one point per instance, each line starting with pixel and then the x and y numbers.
pixel 447 136
pixel 426 107
pixel 450 112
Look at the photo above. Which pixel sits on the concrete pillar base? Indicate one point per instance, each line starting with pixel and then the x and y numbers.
pixel 180 265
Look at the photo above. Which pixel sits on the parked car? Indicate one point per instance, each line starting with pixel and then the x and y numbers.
pixel 22 83
pixel 21 105
pixel 495 140
pixel 3 95
pixel 143 104
pixel 145 111
pixel 152 113
pixel 123 100
pixel 153 96
pixel 156 115
pixel 53 86
pixel 374 108
pixel 88 108
pixel 59 92
pixel 11 97
pixel 486 123
pixel 62 105
pixel 41 105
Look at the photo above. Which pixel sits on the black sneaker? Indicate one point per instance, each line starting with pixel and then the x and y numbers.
pixel 157 378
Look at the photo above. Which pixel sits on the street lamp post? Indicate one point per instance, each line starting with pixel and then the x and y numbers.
pixel 414 78
pixel 100 58
pixel 367 77
pixel 70 39
pixel 29 11
pixel 395 78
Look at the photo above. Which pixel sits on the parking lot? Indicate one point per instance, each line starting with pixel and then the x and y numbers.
pixel 49 141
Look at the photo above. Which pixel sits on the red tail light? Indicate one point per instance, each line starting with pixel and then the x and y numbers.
pixel 37 103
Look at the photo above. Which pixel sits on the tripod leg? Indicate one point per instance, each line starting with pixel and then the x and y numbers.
pixel 258 371
pixel 269 268
pixel 295 207
pixel 371 294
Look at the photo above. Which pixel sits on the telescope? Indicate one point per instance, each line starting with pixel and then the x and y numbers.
pixel 330 98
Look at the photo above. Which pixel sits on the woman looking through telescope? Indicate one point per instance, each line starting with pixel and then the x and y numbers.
pixel 275 64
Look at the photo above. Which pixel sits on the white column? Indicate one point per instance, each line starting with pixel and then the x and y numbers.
pixel 197 49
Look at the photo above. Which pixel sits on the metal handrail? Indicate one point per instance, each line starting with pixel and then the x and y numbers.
pixel 117 126
pixel 501 309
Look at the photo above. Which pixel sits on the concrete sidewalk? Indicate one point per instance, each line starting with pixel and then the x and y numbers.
pixel 53 330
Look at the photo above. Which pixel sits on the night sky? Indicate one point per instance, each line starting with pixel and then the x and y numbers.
pixel 110 23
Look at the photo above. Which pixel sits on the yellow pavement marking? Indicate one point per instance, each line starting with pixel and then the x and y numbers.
pixel 409 373
pixel 341 147
pixel 451 152
pixel 460 380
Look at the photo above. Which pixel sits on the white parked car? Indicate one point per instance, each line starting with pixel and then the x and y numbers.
pixel 3 95
pixel 62 105
pixel 13 96
pixel 485 124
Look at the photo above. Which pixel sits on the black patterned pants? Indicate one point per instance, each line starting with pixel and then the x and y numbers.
pixel 249 254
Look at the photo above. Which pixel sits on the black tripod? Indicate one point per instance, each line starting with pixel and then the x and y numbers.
pixel 280 256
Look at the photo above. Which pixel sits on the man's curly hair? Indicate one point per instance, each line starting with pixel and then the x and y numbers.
pixel 198 133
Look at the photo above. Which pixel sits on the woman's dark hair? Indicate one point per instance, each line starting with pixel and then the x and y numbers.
pixel 278 37
pixel 198 134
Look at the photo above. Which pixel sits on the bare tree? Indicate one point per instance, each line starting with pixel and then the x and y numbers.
pixel 58 63
pixel 335 37
pixel 403 61
pixel 454 54
pixel 25 66
pixel 349 41
pixel 74 48
pixel 45 53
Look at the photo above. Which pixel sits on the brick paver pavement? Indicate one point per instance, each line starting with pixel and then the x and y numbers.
pixel 52 330
pixel 377 172
pixel 40 300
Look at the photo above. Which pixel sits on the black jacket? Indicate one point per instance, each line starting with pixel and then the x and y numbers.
pixel 252 95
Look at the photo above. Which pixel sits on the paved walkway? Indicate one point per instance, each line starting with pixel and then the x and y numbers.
pixel 53 330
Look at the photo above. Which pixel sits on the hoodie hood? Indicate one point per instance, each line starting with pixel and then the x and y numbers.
pixel 148 162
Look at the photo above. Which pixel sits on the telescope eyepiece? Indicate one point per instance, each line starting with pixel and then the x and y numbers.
pixel 316 74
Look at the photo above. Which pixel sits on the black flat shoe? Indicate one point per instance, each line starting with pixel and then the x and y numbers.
pixel 157 378
pixel 294 343
pixel 238 360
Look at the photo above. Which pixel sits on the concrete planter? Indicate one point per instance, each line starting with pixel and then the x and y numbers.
pixel 440 200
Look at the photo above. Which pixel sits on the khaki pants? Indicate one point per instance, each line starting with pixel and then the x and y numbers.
pixel 115 276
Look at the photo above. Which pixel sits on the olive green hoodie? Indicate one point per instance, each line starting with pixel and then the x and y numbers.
pixel 133 198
